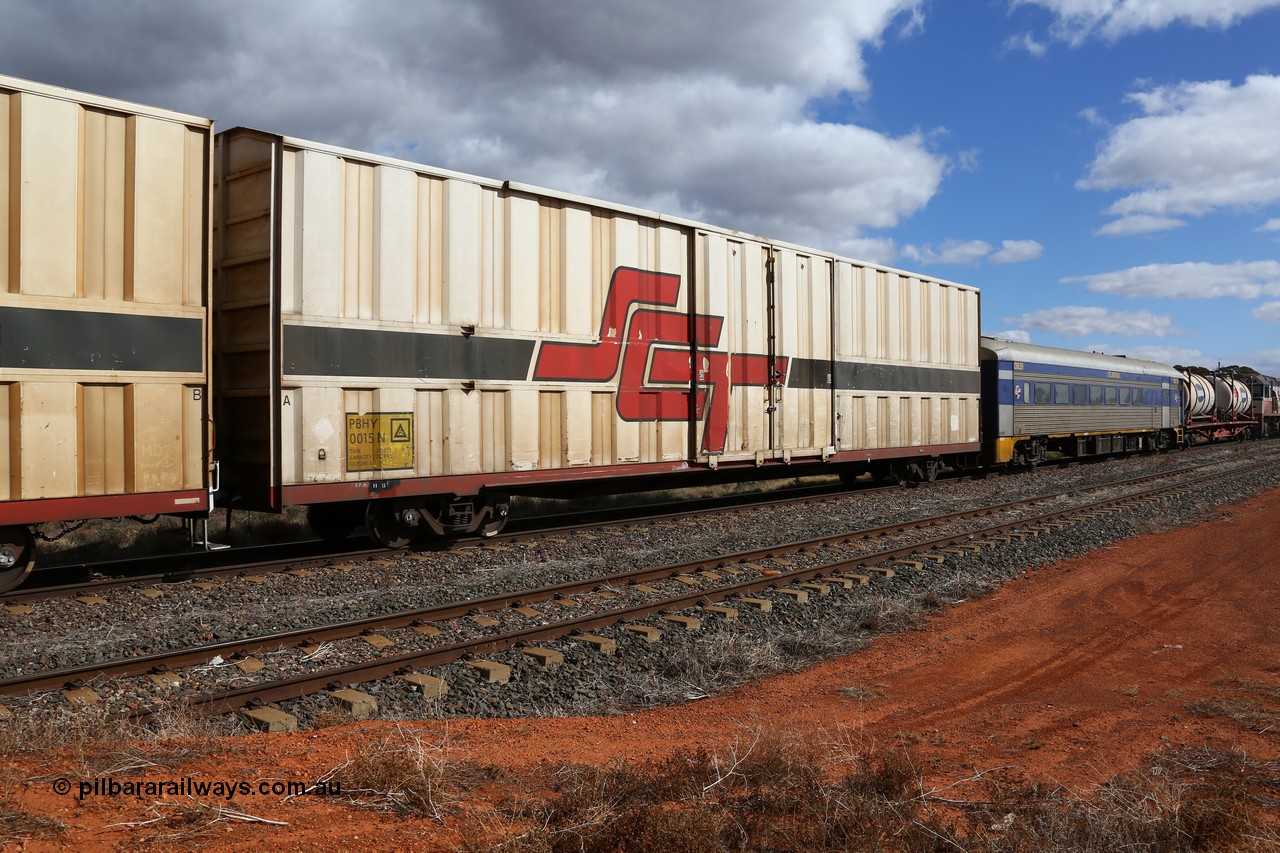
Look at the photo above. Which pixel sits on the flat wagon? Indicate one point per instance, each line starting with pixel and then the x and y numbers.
pixel 1222 405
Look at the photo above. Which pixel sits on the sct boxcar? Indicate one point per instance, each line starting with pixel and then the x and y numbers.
pixel 104 285
pixel 1041 400
pixel 406 346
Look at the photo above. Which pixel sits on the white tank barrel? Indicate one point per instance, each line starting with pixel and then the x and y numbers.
pixel 1199 394
pixel 1233 396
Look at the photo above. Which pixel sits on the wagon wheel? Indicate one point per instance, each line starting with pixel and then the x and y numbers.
pixel 928 470
pixel 497 519
pixel 900 473
pixel 17 556
pixel 389 526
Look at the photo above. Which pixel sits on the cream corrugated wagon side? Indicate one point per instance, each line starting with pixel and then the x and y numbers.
pixel 104 300
pixel 406 347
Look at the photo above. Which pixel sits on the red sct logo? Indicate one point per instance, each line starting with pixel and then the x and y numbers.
pixel 648 352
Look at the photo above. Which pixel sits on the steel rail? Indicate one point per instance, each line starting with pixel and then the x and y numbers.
pixel 162 661
pixel 808 494
pixel 301 685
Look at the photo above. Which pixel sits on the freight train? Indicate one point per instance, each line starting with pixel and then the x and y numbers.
pixel 255 321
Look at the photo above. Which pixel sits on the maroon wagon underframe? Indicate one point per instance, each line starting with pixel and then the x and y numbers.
pixel 104 506
pixel 470 484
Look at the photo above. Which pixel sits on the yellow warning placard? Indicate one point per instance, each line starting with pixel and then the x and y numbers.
pixel 379 441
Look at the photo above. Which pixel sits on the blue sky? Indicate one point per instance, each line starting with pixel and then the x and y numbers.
pixel 1106 171
pixel 1040 120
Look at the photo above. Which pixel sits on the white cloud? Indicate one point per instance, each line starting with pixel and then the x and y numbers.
pixel 1074 321
pixel 665 105
pixel 1017 251
pixel 1269 225
pixel 950 252
pixel 972 252
pixel 1021 336
pixel 1240 280
pixel 1197 148
pixel 1077 20
pixel 1026 42
pixel 1093 117
pixel 967 160
pixel 1140 224
pixel 1266 361
pixel 1269 311
pixel 877 250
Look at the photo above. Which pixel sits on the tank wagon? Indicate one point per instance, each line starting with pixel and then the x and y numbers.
pixel 1040 400
pixel 1224 405
pixel 406 347
pixel 104 313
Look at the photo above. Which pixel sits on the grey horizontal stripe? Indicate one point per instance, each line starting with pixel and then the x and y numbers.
pixel 861 376
pixel 52 339
pixel 322 351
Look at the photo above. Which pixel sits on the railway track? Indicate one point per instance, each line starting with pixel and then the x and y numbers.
pixel 313 556
pixel 676 596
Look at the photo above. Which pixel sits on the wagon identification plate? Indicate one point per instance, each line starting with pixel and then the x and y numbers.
pixel 379 441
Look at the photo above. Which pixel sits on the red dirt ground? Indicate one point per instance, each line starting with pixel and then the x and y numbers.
pixel 1074 674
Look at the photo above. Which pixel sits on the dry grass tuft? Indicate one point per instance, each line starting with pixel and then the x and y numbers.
pixel 404 774
pixel 1177 801
pixel 1267 691
pixel 862 692
pixel 931 601
pixel 80 736
pixel 1248 713
pixel 767 792
pixel 880 614
pixel 776 791
pixel 181 821
pixel 1254 710
pixel 17 825
pixel 91 742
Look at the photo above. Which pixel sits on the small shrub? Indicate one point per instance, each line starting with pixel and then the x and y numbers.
pixel 19 825
pixel 401 774
pixel 778 791
pixel 1246 712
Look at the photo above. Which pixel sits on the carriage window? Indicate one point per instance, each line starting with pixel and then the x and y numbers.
pixel 1044 392
pixel 1111 396
pixel 1021 391
pixel 1061 393
pixel 1137 397
pixel 1095 395
pixel 1079 395
pixel 1124 396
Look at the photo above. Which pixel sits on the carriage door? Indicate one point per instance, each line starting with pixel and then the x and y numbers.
pixel 732 306
pixel 764 350
pixel 801 372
